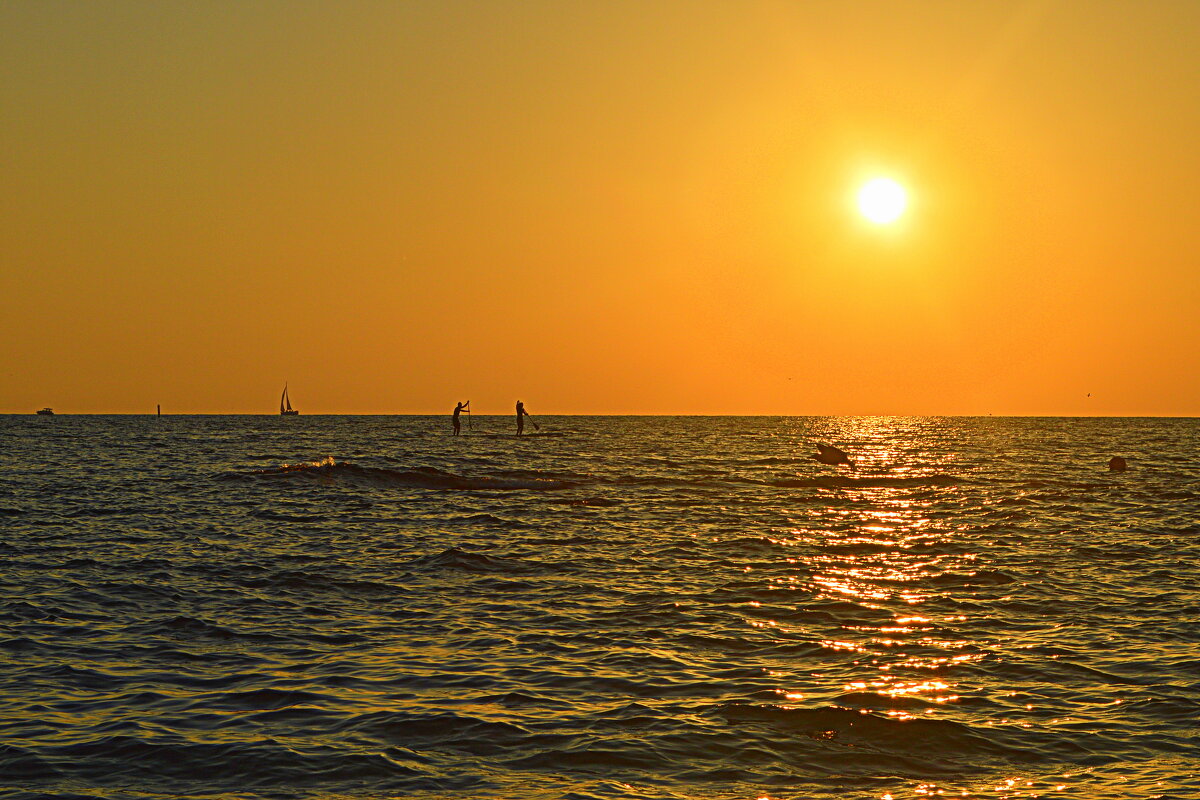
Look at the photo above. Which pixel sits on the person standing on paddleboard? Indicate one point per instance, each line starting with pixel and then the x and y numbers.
pixel 458 409
pixel 521 414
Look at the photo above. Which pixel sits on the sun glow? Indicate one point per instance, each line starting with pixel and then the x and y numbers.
pixel 882 200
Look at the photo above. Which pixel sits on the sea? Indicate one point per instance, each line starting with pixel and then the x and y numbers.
pixel 622 607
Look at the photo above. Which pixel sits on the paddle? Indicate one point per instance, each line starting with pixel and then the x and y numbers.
pixel 468 410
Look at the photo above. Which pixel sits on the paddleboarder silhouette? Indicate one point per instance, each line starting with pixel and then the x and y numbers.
pixel 458 409
pixel 521 414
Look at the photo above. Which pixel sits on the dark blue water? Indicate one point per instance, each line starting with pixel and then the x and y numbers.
pixel 366 607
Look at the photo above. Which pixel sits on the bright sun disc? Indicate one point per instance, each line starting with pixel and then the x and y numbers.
pixel 882 200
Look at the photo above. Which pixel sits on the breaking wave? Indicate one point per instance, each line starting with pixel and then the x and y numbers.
pixel 331 470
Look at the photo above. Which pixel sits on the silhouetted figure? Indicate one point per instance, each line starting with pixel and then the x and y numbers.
pixel 458 409
pixel 1116 464
pixel 521 414
pixel 832 456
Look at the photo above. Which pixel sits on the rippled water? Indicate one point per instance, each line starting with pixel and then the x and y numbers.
pixel 641 607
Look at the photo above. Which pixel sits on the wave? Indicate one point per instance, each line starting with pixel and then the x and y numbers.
pixel 482 519
pixel 329 470
pixel 262 764
pixel 588 502
pixel 880 482
pixel 18 763
pixel 447 728
pixel 454 558
pixel 537 435
pixel 983 577
pixel 276 516
pixel 193 629
pixel 288 580
pixel 262 699
pixel 860 727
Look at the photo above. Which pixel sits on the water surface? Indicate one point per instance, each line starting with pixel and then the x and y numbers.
pixel 643 607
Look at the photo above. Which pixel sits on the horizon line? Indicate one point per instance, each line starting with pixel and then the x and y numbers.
pixel 626 414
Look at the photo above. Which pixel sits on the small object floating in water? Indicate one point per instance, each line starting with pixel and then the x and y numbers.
pixel 827 454
pixel 1116 464
pixel 46 412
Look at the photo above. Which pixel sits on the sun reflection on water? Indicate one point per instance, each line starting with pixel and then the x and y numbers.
pixel 877 544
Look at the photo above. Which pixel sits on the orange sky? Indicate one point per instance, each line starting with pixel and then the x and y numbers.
pixel 599 207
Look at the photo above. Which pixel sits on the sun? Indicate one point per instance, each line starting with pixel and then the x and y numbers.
pixel 882 200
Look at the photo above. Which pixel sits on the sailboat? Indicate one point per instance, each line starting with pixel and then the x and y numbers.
pixel 285 404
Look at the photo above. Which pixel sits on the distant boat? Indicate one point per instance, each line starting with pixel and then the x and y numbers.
pixel 46 412
pixel 285 405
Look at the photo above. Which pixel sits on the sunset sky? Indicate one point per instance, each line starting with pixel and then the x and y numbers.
pixel 600 207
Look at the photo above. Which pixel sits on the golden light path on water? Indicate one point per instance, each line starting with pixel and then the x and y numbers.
pixel 879 559
pixel 893 573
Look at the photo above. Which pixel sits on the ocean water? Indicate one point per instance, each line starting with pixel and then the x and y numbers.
pixel 641 607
